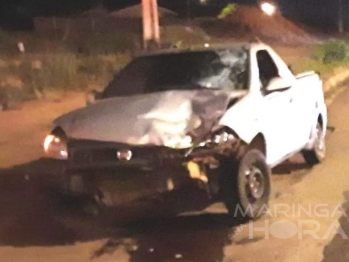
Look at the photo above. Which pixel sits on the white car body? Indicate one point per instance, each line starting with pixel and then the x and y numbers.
pixel 285 117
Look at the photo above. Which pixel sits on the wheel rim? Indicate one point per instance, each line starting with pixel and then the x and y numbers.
pixel 255 184
pixel 320 145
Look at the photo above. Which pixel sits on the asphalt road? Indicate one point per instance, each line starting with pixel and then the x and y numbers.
pixel 37 225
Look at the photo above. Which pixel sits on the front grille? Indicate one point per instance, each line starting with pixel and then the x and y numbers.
pixel 82 156
pixel 157 154
pixel 88 156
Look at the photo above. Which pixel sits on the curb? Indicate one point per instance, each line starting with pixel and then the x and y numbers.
pixel 334 85
pixel 340 76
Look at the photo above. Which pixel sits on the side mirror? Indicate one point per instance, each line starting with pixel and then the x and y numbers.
pixel 279 84
pixel 93 97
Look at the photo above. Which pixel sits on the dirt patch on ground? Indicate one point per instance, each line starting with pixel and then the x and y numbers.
pixel 23 129
pixel 248 22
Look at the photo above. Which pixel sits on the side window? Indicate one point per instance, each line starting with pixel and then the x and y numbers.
pixel 267 67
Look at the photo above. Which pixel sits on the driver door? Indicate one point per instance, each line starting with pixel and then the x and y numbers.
pixel 275 116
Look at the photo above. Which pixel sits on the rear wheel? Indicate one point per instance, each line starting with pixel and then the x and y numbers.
pixel 318 153
pixel 247 187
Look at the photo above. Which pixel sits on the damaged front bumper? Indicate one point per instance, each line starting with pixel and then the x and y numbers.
pixel 89 155
pixel 160 169
pixel 95 155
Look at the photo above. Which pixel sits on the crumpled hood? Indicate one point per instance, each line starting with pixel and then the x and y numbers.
pixel 162 119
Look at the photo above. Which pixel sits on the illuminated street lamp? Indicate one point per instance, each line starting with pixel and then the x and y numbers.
pixel 268 8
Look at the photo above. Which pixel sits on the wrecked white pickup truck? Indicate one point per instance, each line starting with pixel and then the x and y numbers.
pixel 225 115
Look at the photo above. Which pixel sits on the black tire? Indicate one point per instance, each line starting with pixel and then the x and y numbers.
pixel 74 185
pixel 318 153
pixel 76 194
pixel 246 187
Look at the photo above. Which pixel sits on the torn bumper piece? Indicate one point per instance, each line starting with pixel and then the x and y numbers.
pixel 87 155
pixel 159 168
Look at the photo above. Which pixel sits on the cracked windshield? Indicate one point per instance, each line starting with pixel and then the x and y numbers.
pixel 164 131
pixel 182 71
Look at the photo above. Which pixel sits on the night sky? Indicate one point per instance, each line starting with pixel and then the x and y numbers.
pixel 318 13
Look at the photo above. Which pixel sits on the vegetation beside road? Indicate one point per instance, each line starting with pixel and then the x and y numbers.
pixel 323 59
pixel 53 65
pixel 34 75
pixel 325 70
pixel 50 66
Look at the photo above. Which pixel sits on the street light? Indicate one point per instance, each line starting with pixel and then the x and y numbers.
pixel 268 8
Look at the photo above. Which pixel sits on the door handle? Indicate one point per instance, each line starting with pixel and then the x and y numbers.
pixel 291 100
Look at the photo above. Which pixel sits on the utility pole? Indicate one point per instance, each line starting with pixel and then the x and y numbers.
pixel 189 20
pixel 340 17
pixel 151 28
pixel 188 13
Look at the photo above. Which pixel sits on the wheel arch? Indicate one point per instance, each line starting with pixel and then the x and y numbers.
pixel 249 140
pixel 320 120
pixel 259 142
pixel 58 131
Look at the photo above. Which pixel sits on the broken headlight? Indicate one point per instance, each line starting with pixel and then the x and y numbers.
pixel 55 147
pixel 178 142
pixel 220 141
pixel 218 138
pixel 222 137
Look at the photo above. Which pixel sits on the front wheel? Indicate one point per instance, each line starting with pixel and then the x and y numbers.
pixel 247 188
pixel 318 153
